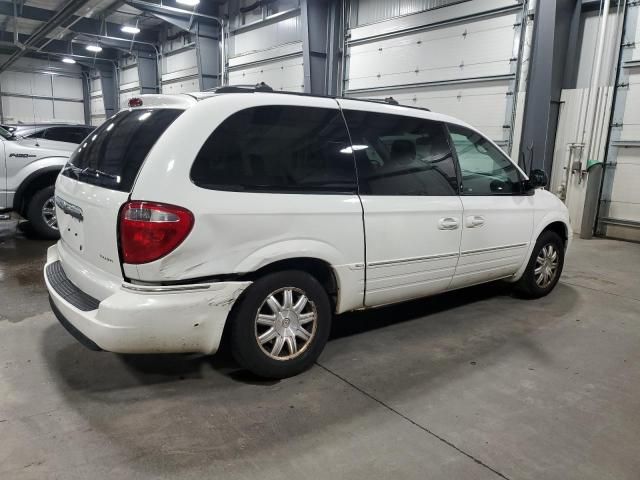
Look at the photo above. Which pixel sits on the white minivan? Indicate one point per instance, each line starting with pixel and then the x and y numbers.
pixel 264 214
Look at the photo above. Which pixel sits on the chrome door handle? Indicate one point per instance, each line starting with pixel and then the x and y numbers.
pixel 448 223
pixel 474 221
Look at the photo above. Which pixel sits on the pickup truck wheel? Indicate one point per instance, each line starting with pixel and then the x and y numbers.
pixel 281 324
pixel 544 267
pixel 41 214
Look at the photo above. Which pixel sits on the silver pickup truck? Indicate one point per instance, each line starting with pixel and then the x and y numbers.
pixel 31 156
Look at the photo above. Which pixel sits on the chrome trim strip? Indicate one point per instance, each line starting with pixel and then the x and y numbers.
pixel 163 288
pixel 411 260
pixel 494 249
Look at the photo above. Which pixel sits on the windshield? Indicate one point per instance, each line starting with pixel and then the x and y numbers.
pixel 5 134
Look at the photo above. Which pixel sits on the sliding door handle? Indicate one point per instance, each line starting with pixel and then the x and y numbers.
pixel 474 221
pixel 448 223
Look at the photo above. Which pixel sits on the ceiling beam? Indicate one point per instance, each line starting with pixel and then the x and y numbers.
pixel 80 25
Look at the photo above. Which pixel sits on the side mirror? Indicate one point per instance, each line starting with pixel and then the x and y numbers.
pixel 537 179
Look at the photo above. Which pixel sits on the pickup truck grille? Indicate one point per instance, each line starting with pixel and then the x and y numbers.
pixel 67 290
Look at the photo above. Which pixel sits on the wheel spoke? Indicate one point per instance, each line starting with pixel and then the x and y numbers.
pixel 292 344
pixel 274 305
pixel 303 333
pixel 267 336
pixel 277 346
pixel 288 298
pixel 306 318
pixel 300 304
pixel 538 270
pixel 539 260
pixel 267 320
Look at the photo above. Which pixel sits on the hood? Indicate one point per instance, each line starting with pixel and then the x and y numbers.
pixel 43 148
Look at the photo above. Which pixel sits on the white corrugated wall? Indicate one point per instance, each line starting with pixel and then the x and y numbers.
pixel 36 90
pixel 458 58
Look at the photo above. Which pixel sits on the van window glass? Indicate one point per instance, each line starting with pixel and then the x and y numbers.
pixel 282 149
pixel 484 168
pixel 401 155
pixel 113 154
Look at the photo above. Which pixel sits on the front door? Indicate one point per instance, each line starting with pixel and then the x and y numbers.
pixel 498 216
pixel 412 212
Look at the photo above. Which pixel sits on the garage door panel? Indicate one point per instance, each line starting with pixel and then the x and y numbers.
pixel 26 109
pixel 286 75
pixel 67 87
pixel 475 49
pixel 69 111
pixel 481 104
pixel 631 117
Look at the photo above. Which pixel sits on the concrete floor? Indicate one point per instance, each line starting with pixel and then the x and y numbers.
pixel 473 384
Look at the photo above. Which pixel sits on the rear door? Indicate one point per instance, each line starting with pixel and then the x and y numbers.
pixel 412 212
pixel 498 215
pixel 97 180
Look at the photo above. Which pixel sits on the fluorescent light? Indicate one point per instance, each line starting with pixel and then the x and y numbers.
pixel 130 29
pixel 68 60
pixel 191 3
pixel 94 48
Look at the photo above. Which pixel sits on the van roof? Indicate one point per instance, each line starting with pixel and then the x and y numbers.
pixel 185 100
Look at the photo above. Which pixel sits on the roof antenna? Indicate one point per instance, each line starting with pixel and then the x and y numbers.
pixel 33 108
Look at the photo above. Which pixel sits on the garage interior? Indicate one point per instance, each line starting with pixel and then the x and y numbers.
pixel 471 384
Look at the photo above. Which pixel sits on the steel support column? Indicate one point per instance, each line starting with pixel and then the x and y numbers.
pixel 208 54
pixel 147 72
pixel 110 92
pixel 320 40
pixel 551 37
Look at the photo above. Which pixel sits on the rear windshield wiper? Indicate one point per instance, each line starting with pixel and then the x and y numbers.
pixel 99 173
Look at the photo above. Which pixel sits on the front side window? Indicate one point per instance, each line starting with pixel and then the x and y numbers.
pixel 398 155
pixel 278 149
pixel 484 168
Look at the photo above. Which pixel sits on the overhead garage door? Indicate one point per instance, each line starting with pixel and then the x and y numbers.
pixel 619 212
pixel 460 59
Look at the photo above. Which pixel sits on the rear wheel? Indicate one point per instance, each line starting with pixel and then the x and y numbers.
pixel 281 324
pixel 544 267
pixel 41 214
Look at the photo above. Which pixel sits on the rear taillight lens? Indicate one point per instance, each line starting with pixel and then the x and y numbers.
pixel 149 231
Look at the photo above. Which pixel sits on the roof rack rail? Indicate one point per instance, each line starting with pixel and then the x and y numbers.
pixel 263 87
pixel 258 87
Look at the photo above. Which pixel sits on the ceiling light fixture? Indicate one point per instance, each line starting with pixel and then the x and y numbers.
pixel 130 29
pixel 94 48
pixel 68 60
pixel 191 3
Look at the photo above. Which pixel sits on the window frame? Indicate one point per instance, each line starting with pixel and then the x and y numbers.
pixel 355 190
pixel 521 174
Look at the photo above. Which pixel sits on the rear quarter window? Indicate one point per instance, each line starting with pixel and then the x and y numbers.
pixel 278 149
pixel 112 155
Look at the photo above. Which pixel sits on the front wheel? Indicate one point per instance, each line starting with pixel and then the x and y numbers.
pixel 281 324
pixel 544 267
pixel 41 214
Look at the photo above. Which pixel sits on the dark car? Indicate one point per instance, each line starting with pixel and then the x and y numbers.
pixel 59 132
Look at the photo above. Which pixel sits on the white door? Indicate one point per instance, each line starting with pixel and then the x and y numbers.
pixel 412 213
pixel 498 215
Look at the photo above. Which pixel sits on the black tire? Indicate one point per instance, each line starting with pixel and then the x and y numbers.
pixel 245 346
pixel 37 223
pixel 527 286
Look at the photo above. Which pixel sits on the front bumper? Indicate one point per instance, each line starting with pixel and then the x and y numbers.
pixel 143 319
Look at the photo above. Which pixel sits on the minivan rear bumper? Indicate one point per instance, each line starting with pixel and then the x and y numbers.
pixel 143 319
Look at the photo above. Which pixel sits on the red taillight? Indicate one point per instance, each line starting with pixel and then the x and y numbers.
pixel 149 231
pixel 135 102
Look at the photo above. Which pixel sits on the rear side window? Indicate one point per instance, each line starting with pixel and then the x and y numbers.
pixel 399 155
pixel 279 149
pixel 67 134
pixel 112 156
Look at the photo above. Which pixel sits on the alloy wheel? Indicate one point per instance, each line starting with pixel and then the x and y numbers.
pixel 546 266
pixel 286 323
pixel 49 213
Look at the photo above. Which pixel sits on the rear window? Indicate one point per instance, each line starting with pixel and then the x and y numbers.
pixel 112 156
